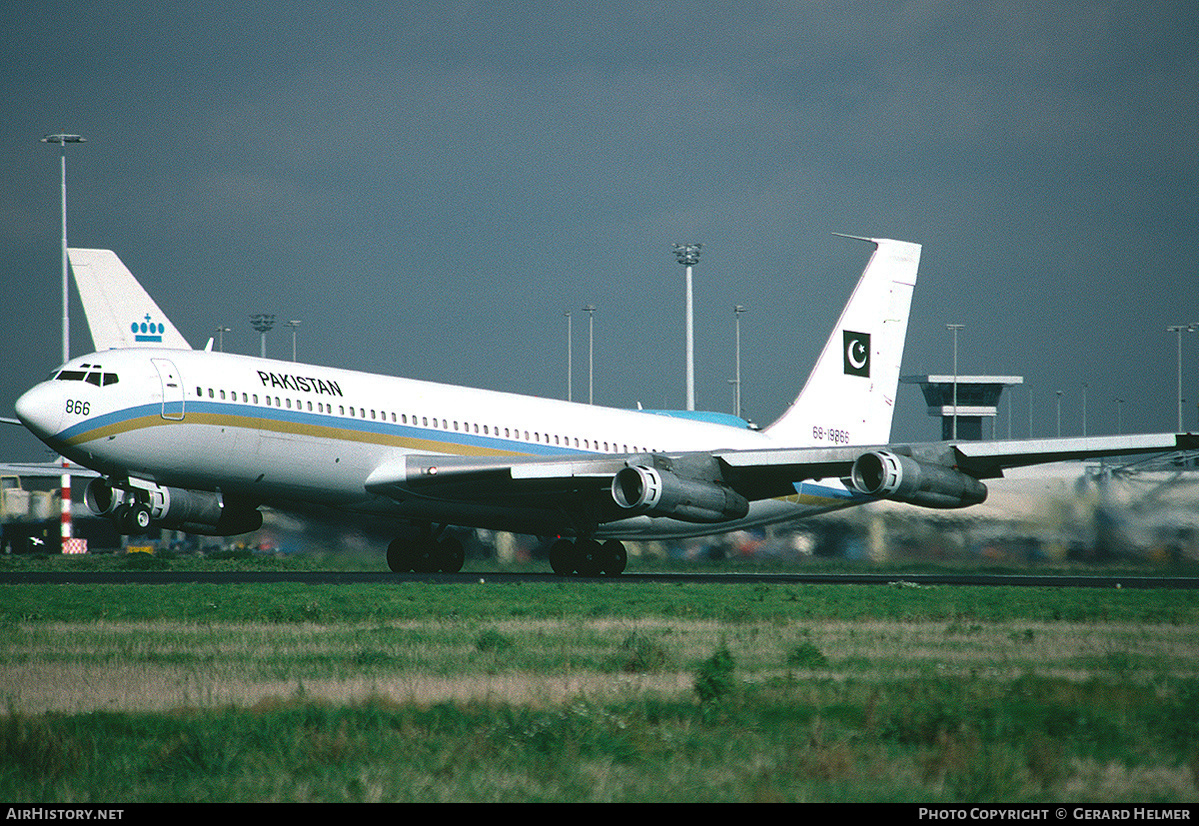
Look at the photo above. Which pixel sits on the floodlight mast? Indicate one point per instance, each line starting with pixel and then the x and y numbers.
pixel 590 310
pixel 737 311
pixel 688 256
pixel 262 322
pixel 62 140
pixel 1179 329
pixel 67 530
pixel 954 328
pixel 294 325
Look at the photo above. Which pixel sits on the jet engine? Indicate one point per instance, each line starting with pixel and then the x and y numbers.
pixel 904 479
pixel 656 492
pixel 193 511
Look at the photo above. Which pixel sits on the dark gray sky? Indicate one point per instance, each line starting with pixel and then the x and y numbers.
pixel 429 186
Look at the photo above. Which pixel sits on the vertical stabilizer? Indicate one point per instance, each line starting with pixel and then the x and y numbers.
pixel 849 397
pixel 120 313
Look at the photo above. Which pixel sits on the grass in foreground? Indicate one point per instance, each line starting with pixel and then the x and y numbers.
pixel 795 739
pixel 597 692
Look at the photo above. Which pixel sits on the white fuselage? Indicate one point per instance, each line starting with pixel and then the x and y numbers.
pixel 289 434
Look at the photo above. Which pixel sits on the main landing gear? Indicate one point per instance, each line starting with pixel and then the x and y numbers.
pixel 588 557
pixel 426 555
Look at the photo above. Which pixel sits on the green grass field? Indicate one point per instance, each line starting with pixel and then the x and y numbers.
pixel 586 691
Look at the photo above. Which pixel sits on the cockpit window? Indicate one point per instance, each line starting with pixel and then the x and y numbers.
pixel 94 377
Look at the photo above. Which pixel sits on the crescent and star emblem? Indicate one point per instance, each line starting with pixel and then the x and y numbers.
pixel 857 353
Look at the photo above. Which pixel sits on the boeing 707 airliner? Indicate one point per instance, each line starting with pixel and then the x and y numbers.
pixel 199 441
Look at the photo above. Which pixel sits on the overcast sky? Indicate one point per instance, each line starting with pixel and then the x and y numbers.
pixel 428 187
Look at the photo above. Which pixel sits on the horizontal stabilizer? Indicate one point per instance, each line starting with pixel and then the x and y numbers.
pixel 120 313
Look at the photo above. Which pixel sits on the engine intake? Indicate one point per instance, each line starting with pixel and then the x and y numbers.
pixel 654 492
pixel 904 479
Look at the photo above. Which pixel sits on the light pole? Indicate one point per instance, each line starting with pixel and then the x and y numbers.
pixel 1059 414
pixel 66 533
pixel 1119 415
pixel 1084 408
pixel 688 256
pixel 954 329
pixel 62 141
pixel 1179 328
pixel 1029 411
pixel 590 310
pixel 737 311
pixel 262 322
pixel 570 356
pixel 294 325
pixel 220 332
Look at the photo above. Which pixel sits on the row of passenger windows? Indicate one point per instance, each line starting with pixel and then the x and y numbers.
pixel 355 412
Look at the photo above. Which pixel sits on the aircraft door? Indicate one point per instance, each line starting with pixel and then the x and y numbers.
pixel 172 389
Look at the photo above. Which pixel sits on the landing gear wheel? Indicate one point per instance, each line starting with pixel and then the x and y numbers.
pixel 451 554
pixel 425 556
pixel 562 556
pixel 615 557
pixel 400 558
pixel 589 557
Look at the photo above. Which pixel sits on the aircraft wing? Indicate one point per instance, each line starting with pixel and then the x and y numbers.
pixel 471 478
pixel 754 474
pixel 987 460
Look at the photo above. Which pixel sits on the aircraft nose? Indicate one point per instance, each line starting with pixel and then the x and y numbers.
pixel 40 410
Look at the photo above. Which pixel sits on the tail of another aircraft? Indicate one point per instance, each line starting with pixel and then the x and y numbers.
pixel 120 313
pixel 849 397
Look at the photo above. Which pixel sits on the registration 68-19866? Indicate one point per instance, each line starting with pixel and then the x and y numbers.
pixel 831 434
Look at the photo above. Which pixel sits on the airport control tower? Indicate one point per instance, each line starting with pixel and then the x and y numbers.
pixel 977 399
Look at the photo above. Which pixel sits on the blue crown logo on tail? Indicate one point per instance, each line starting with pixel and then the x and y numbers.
pixel 147 330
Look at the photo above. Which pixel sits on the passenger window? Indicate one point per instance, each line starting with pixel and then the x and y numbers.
pixel 211 395
pixel 222 395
